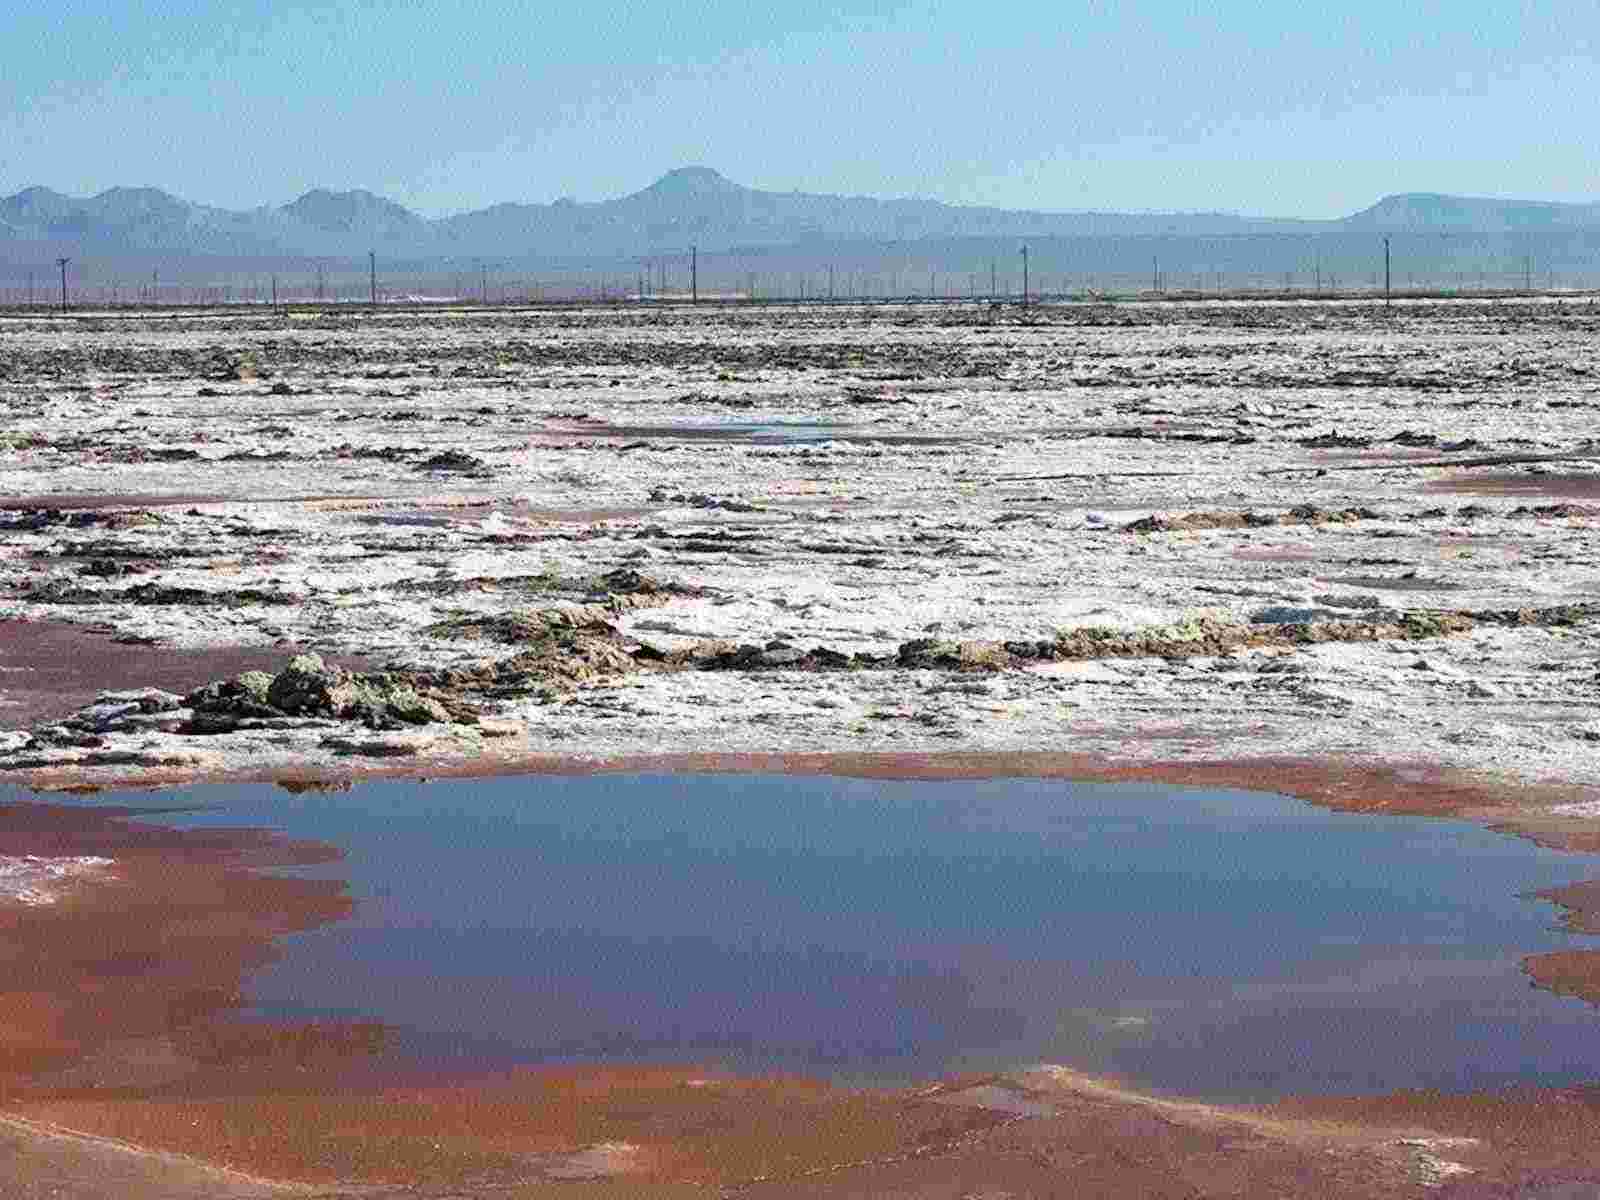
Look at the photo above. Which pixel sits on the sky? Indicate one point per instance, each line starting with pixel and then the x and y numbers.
pixel 1271 108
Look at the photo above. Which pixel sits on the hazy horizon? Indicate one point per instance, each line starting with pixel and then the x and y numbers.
pixel 342 189
pixel 1262 111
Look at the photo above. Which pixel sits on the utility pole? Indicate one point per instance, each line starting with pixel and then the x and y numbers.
pixel 274 291
pixel 1527 272
pixel 830 281
pixel 1155 274
pixel 1024 276
pixel 372 274
pixel 30 289
pixel 62 263
pixel 994 281
pixel 1387 296
pixel 694 274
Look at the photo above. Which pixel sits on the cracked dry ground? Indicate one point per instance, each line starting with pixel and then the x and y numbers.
pixel 1236 542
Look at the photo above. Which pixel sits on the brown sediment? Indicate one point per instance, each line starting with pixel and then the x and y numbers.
pixel 1349 785
pixel 156 948
pixel 51 668
pixel 1566 485
pixel 654 1123
pixel 1580 904
pixel 1571 972
pixel 666 1133
pixel 1566 973
pixel 1420 789
pixel 663 1126
pixel 1521 1142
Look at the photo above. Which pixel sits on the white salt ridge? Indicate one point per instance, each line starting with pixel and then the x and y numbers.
pixel 1586 808
pixel 887 542
pixel 34 879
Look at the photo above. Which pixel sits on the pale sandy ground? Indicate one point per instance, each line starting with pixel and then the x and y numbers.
pixel 605 443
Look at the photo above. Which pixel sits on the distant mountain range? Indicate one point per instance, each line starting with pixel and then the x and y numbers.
pixel 690 205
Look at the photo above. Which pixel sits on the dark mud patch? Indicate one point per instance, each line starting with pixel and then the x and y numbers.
pixel 1305 514
pixel 153 593
pixel 1394 583
pixel 1274 627
pixel 75 501
pixel 49 669
pixel 1572 485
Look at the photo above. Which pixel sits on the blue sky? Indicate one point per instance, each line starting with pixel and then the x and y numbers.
pixel 1272 108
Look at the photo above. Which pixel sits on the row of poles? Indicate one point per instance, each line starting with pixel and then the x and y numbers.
pixel 1157 279
pixel 372 276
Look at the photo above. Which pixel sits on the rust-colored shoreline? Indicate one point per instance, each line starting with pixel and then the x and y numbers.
pixel 264 1099
pixel 1347 785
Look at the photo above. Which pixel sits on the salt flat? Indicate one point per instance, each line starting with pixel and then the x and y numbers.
pixel 1323 548
pixel 1145 532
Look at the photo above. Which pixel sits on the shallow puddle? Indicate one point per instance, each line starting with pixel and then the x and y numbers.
pixel 1216 943
pixel 773 433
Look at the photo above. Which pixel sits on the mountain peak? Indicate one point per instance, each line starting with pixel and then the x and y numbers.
pixel 353 211
pixel 121 203
pixel 350 196
pixel 695 181
pixel 1437 211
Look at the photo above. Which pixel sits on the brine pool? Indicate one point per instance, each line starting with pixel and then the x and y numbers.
pixel 1222 944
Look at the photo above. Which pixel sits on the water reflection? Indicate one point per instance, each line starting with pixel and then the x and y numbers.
pixel 1227 944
